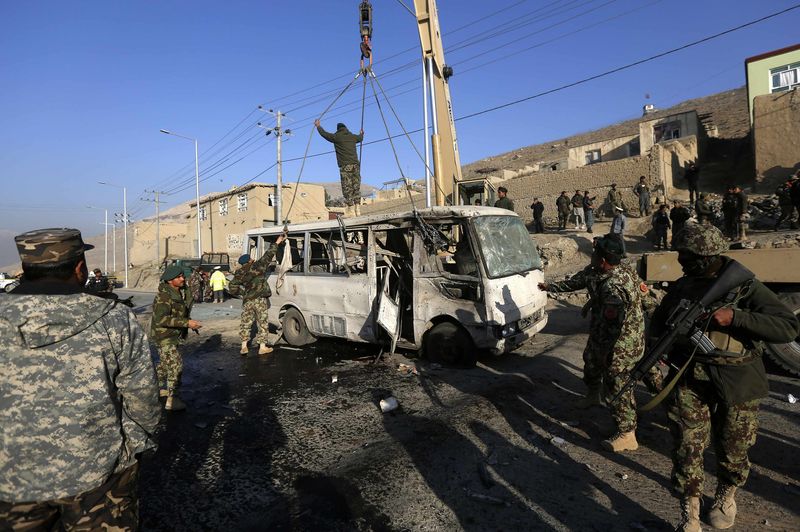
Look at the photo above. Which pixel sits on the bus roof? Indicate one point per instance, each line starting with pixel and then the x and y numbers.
pixel 430 214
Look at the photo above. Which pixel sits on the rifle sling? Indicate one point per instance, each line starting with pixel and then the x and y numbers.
pixel 655 401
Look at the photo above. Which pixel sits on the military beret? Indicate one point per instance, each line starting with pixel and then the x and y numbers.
pixel 244 259
pixel 171 272
pixel 50 246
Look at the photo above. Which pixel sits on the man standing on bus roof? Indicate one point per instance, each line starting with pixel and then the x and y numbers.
pixel 344 142
pixel 503 201
pixel 250 282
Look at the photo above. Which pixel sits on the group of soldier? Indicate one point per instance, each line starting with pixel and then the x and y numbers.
pixel 712 398
pixel 80 399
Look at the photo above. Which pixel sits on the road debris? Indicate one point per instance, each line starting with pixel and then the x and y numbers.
pixel 558 442
pixel 389 404
pixel 407 370
pixel 791 398
pixel 485 498
pixel 334 379
pixel 201 424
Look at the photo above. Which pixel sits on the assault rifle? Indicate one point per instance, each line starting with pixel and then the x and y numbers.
pixel 681 323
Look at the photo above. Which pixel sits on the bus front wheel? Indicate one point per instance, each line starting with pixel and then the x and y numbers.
pixel 295 331
pixel 449 344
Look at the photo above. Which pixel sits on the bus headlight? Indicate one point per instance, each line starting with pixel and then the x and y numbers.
pixel 507 330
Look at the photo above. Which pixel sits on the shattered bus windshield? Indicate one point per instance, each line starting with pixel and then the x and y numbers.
pixel 505 245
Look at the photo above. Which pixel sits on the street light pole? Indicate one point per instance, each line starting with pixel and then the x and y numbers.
pixel 114 249
pixel 279 133
pixel 124 221
pixel 196 187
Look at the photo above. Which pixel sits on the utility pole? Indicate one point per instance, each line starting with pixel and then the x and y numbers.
pixel 279 133
pixel 156 193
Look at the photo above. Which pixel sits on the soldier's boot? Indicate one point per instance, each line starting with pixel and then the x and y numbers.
pixel 621 441
pixel 264 349
pixel 593 397
pixel 174 403
pixel 244 350
pixel 690 515
pixel 723 511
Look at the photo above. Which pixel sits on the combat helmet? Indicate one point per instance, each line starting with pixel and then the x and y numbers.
pixel 703 240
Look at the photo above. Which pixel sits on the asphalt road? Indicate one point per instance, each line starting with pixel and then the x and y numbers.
pixel 296 441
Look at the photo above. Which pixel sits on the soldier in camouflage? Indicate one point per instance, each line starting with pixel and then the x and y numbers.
pixel 717 396
pixel 250 282
pixel 616 336
pixel 344 142
pixel 169 326
pixel 197 285
pixel 78 396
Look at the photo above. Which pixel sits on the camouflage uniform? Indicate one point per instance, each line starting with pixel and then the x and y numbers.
pixel 717 397
pixel 196 285
pixel 344 142
pixel 78 402
pixel 168 327
pixel 603 344
pixel 251 282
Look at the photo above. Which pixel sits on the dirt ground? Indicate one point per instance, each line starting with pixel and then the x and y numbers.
pixel 297 441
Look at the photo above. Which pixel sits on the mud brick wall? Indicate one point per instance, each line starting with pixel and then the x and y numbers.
pixel 596 178
pixel 776 120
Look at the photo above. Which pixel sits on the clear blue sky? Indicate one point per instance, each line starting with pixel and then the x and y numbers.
pixel 86 86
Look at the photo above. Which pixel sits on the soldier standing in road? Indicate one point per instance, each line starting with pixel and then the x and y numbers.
pixel 78 396
pixel 170 325
pixel 250 282
pixel 208 294
pixel 344 143
pixel 642 191
pixel 503 201
pixel 563 205
pixel 616 335
pixel 196 285
pixel 717 396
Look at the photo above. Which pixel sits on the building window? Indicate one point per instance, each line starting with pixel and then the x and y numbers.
pixel 241 202
pixel 784 78
pixel 668 131
pixel 203 215
pixel 593 156
pixel 223 207
pixel 271 200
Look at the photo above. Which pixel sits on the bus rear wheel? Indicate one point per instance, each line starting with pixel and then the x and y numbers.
pixel 449 344
pixel 295 331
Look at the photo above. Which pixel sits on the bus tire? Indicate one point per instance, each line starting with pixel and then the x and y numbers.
pixel 451 345
pixel 295 331
pixel 787 356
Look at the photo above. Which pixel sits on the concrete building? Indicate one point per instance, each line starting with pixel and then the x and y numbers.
pixel 225 216
pixel 772 72
pixel 603 151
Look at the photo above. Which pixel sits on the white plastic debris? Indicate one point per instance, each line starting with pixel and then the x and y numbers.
pixel 558 442
pixel 791 398
pixel 389 404
pixel 334 379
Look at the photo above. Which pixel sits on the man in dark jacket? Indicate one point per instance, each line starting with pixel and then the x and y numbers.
pixel 538 211
pixel 250 282
pixel 588 210
pixel 692 175
pixel 795 194
pixel 344 142
pixel 661 225
pixel 784 193
pixel 577 210
pixel 564 207
pixel 703 210
pixel 169 326
pixel 716 397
